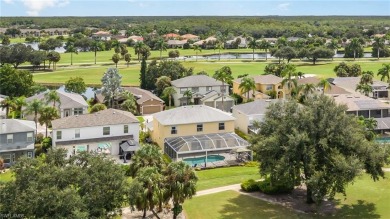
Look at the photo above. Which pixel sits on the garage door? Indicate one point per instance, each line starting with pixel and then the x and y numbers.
pixel 150 109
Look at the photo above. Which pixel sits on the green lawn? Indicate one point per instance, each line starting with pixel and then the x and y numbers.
pixel 5 177
pixel 225 176
pixel 231 204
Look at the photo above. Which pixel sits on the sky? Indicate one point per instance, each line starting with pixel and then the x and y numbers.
pixel 16 8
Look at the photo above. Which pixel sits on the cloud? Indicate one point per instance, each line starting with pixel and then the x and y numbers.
pixel 34 7
pixel 283 6
pixel 8 1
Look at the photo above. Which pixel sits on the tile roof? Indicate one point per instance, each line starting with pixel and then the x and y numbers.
pixel 16 125
pixel 101 118
pixel 67 100
pixel 143 95
pixel 256 107
pixel 196 81
pixel 359 102
pixel 192 114
pixel 264 79
pixel 189 36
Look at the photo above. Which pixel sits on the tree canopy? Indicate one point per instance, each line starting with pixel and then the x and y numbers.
pixel 15 83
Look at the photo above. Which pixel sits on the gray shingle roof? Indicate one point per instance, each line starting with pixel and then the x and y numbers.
pixel 196 81
pixel 68 100
pixel 16 125
pixel 192 114
pixel 256 107
pixel 101 118
pixel 359 102
pixel 142 94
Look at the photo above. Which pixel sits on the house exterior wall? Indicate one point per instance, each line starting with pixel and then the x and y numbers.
pixel 20 146
pixel 71 110
pixel 228 103
pixel 261 88
pixel 160 132
pixel 202 90
pixel 242 121
pixel 151 106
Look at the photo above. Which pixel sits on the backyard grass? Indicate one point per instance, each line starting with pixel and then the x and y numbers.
pixel 231 204
pixel 225 176
pixel 5 177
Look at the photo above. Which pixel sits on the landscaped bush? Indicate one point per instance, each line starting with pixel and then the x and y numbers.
pixel 39 138
pixel 252 164
pixel 276 188
pixel 126 169
pixel 250 185
pixel 167 159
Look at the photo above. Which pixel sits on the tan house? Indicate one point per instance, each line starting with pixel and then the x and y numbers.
pixel 190 131
pixel 265 84
pixel 147 102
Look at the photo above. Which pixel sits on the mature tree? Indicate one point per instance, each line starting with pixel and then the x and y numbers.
pixel 85 44
pixel 127 57
pixel 219 46
pixel 7 104
pixel 196 49
pixel 137 48
pixel 324 84
pixel 53 57
pixel 161 45
pixel 75 85
pixel 71 48
pixel 354 49
pixel 252 44
pixel 98 107
pixel 97 46
pixel 384 72
pixel 319 52
pixel 169 91
pixel 5 41
pixel 188 94
pixel 19 102
pixel 18 54
pixel 247 84
pixel 115 58
pixel 181 184
pixel 370 124
pixel 286 52
pixel 333 45
pixel 378 45
pixel 15 83
pixel 274 69
pixel 345 70
pixel 52 97
pixel 123 50
pixel 364 89
pixel 5 54
pixel 142 78
pixel 129 104
pixel 367 77
pixel 37 58
pixel 161 83
pixel 111 85
pixel 264 44
pixel 147 156
pixel 116 45
pixel 50 44
pixel 145 52
pixel 43 184
pixel 316 144
pixel 46 115
pixel 289 75
pixel 224 75
pixel 33 107
pixel 174 53
pixel 12 32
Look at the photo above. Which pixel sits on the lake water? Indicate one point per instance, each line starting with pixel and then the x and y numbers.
pixel 89 93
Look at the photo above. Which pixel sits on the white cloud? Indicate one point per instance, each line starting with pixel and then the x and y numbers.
pixel 34 7
pixel 8 1
pixel 283 6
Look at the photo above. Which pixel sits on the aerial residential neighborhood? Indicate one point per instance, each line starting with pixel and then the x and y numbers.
pixel 194 109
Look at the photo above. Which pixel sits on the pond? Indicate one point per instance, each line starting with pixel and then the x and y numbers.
pixel 89 93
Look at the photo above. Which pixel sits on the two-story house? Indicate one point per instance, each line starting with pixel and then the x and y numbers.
pixel 379 88
pixel 109 131
pixel 17 139
pixel 266 86
pixel 102 35
pixel 70 103
pixel 195 130
pixel 200 85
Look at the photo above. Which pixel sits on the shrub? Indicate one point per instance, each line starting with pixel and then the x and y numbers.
pixel 39 138
pixel 167 159
pixel 276 187
pixel 46 144
pixel 252 164
pixel 250 185
pixel 126 169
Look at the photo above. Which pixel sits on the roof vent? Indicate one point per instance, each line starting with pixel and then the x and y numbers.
pixel 268 100
pixel 113 112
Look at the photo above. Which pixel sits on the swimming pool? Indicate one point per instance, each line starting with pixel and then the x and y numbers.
pixel 201 160
pixel 383 140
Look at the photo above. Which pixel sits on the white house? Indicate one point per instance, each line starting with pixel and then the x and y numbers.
pixel 109 131
pixel 199 85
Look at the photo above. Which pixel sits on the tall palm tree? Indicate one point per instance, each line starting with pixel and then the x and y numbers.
pixel 7 104
pixel 97 46
pixel 308 89
pixel 247 84
pixel 188 94
pixel 130 103
pixel 34 107
pixel 137 48
pixel 364 88
pixel 116 45
pixel 355 44
pixel 290 77
pixel 379 44
pixel 196 49
pixel 46 115
pixel 253 45
pixel 162 46
pixel 219 46
pixel 19 103
pixel 147 156
pixel 325 85
pixel 69 47
pixel 52 96
pixel 384 72
pixel 181 184
pixel 169 91
pixel 367 77
pixel 264 44
pixel 224 75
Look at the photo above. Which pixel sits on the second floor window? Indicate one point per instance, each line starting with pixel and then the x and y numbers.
pixel 29 137
pixel 199 127
pixel 182 90
pixel 78 111
pixel 77 133
pixel 10 138
pixel 195 89
pixel 173 130
pixel 59 135
pixel 209 88
pixel 223 89
pixel 221 126
pixel 106 130
pixel 269 87
pixel 125 129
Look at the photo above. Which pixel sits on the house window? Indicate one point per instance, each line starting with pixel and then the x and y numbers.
pixel 78 111
pixel 59 135
pixel 77 133
pixel 29 137
pixel 199 127
pixel 29 154
pixel 209 88
pixel 223 89
pixel 125 129
pixel 106 130
pixel 195 89
pixel 10 138
pixel 173 130
pixel 6 158
pixel 182 90
pixel 221 126
pixel 269 87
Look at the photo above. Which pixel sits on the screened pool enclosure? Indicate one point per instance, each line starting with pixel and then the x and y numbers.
pixel 197 145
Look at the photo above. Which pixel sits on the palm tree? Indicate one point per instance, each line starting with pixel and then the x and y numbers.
pixel 247 84
pixel 308 89
pixel 116 45
pixel 290 76
pixel 379 44
pixel 367 77
pixel 47 114
pixel 71 49
pixel 325 85
pixel 188 94
pixel 264 44
pixel 196 49
pixel 34 107
pixel 169 91
pixel 253 45
pixel 147 156
pixel 225 76
pixel 355 45
pixel 364 89
pixel 127 59
pixel 97 46
pixel 162 46
pixel 181 184
pixel 19 103
pixel 52 96
pixel 130 103
pixel 137 48
pixel 384 72
pixel 219 46
pixel 300 74
pixel 7 104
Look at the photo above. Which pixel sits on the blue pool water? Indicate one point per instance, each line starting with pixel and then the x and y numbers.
pixel 383 140
pixel 202 160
